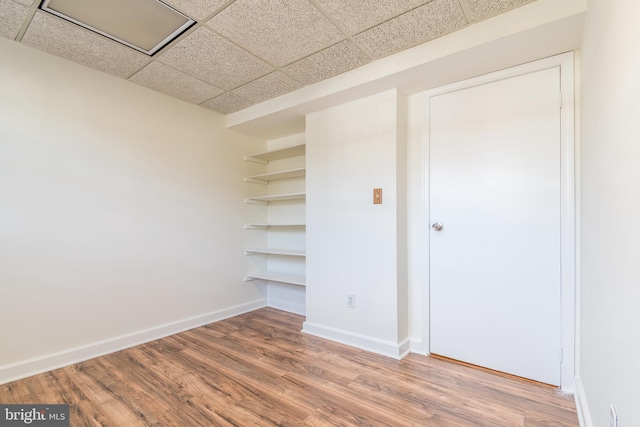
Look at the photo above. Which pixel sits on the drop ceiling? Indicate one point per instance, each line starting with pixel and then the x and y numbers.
pixel 243 52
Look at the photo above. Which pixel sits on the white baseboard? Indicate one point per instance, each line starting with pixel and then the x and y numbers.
pixel 287 306
pixel 584 416
pixel 385 348
pixel 417 346
pixel 27 368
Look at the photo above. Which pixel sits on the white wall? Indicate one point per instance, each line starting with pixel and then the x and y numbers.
pixel 610 342
pixel 121 210
pixel 354 246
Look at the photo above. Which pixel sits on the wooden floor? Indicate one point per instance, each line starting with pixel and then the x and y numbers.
pixel 259 370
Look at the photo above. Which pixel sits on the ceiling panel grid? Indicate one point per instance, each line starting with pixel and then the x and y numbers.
pixel 243 52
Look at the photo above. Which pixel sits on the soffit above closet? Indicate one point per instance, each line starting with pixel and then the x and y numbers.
pixel 242 52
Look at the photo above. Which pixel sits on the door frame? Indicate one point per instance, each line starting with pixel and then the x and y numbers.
pixel 567 205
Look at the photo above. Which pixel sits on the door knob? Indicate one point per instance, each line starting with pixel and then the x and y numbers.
pixel 437 226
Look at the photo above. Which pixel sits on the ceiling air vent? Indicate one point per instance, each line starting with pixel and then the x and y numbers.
pixel 144 25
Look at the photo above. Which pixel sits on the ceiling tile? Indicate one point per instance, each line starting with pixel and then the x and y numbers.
pixel 227 103
pixel 62 38
pixel 12 15
pixel 355 16
pixel 329 62
pixel 424 23
pixel 213 59
pixel 481 9
pixel 196 9
pixel 269 86
pixel 278 31
pixel 174 83
pixel 27 3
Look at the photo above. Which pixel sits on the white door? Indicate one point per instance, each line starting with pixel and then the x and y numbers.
pixel 495 189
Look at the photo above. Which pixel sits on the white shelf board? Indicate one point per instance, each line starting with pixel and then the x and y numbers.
pixel 272 251
pixel 283 153
pixel 278 277
pixel 265 178
pixel 275 198
pixel 262 226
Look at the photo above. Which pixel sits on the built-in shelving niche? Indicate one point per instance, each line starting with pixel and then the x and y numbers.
pixel 276 240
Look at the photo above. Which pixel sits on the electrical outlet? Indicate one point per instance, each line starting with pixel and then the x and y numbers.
pixel 613 416
pixel 351 300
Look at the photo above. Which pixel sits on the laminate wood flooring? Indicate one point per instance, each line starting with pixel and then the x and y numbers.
pixel 258 369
